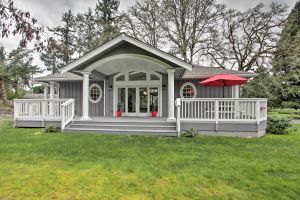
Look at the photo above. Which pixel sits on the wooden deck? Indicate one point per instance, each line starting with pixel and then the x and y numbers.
pixel 240 117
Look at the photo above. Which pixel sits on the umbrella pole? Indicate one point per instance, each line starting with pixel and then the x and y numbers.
pixel 224 88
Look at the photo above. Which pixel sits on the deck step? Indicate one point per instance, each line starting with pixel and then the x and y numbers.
pixel 154 123
pixel 138 127
pixel 124 126
pixel 122 131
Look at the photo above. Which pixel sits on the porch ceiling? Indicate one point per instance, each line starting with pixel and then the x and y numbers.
pixel 128 62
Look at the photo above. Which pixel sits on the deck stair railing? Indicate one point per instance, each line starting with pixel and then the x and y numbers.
pixel 68 113
pixel 220 109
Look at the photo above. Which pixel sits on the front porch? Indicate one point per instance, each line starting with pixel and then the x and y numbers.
pixel 236 117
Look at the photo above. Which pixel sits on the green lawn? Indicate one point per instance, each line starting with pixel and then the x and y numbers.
pixel 77 166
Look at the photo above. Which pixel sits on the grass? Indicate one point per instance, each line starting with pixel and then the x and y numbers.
pixel 85 166
pixel 286 113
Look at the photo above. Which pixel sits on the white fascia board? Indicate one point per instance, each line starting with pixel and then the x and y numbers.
pixel 59 79
pixel 205 76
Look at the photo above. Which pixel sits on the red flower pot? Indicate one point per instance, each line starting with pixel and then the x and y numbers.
pixel 119 114
pixel 154 114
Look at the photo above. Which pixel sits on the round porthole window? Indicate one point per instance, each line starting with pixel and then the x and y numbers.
pixel 188 90
pixel 95 93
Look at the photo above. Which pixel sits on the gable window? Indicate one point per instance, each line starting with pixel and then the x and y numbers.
pixel 188 90
pixel 121 78
pixel 95 93
pixel 154 77
pixel 137 76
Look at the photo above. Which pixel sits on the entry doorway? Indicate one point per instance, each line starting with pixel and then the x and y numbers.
pixel 138 101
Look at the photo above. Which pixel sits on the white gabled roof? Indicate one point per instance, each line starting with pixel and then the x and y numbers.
pixel 131 40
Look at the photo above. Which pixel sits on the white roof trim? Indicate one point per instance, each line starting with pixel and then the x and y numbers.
pixel 58 79
pixel 130 40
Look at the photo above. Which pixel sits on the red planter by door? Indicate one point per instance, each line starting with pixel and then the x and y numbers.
pixel 154 114
pixel 119 114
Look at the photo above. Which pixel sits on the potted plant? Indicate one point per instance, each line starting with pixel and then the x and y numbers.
pixel 119 112
pixel 154 112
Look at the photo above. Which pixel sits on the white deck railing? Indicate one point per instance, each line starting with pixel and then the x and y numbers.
pixel 44 110
pixel 220 109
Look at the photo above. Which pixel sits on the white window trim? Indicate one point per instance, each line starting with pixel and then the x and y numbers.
pixel 100 96
pixel 190 84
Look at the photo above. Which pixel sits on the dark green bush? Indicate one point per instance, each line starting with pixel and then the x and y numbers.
pixel 276 125
pixel 190 133
pixel 52 129
pixel 11 94
pixel 291 104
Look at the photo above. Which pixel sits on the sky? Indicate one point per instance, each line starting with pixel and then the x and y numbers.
pixel 49 12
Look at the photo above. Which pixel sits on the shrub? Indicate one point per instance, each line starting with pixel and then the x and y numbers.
pixel 276 125
pixel 11 94
pixel 52 129
pixel 190 133
pixel 291 104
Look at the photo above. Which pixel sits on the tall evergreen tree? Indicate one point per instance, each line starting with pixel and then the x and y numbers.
pixel 19 67
pixel 108 17
pixel 87 32
pixel 286 63
pixel 64 51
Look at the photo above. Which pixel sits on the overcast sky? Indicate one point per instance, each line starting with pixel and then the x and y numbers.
pixel 48 12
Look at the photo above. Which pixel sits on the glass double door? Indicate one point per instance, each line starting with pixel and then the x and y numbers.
pixel 138 101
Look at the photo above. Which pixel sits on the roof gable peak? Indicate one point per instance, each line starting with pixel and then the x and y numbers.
pixel 117 40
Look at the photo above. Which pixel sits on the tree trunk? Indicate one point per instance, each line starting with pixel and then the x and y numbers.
pixel 3 92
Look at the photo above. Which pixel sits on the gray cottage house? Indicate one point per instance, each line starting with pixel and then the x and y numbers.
pixel 128 87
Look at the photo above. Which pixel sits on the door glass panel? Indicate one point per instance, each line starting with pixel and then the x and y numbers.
pixel 153 99
pixel 121 99
pixel 143 100
pixel 131 100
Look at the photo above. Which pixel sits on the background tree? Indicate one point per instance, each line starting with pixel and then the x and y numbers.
pixel 188 24
pixel 286 62
pixel 143 21
pixel 264 85
pixel 63 53
pixel 247 40
pixel 3 75
pixel 14 21
pixel 18 67
pixel 87 32
pixel 108 17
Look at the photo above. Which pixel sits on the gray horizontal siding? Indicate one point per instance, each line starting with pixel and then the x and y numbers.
pixel 203 91
pixel 73 90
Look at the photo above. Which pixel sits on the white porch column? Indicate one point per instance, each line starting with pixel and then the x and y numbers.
pixel 52 89
pixel 85 95
pixel 171 100
pixel 236 91
pixel 51 97
pixel 45 91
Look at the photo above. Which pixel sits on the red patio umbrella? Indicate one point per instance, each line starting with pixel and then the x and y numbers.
pixel 222 80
